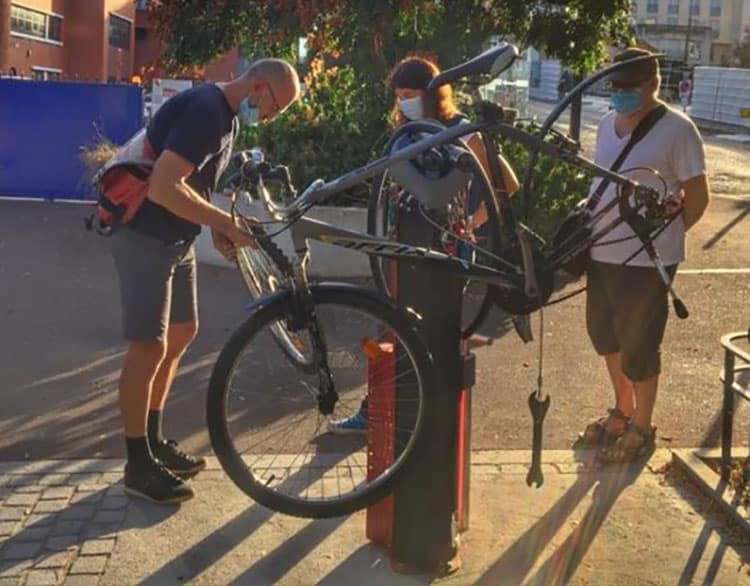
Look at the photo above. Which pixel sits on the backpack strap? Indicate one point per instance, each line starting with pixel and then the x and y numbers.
pixel 640 131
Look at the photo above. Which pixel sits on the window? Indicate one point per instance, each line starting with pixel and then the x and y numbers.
pixel 652 7
pixel 141 34
pixel 695 7
pixel 715 29
pixel 54 28
pixel 33 23
pixel 42 74
pixel 119 32
pixel 715 7
pixel 141 5
pixel 672 21
pixel 673 7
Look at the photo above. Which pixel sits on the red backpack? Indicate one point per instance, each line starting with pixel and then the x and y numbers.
pixel 122 183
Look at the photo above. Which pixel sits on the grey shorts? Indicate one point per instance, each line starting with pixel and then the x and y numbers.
pixel 626 311
pixel 157 284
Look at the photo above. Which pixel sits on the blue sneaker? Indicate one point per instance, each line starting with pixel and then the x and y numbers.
pixel 356 424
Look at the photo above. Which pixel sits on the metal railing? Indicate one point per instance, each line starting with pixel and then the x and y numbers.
pixel 731 388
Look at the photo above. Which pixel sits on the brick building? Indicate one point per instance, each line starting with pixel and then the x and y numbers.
pixel 86 40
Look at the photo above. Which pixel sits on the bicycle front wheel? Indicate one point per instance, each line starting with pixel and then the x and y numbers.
pixel 269 421
pixel 261 271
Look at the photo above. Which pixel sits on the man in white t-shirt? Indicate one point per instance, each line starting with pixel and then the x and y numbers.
pixel 626 307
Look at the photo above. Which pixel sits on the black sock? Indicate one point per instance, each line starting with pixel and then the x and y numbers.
pixel 139 454
pixel 154 427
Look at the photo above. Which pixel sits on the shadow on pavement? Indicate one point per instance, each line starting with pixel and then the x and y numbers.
pixel 516 562
pixel 201 556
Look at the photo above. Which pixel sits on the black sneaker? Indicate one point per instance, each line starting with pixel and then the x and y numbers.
pixel 183 465
pixel 156 484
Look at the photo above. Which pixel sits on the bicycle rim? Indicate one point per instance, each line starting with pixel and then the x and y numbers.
pixel 381 218
pixel 265 419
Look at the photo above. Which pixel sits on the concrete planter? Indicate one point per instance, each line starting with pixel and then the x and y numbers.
pixel 328 261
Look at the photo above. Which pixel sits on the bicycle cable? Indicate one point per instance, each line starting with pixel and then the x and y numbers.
pixel 437 226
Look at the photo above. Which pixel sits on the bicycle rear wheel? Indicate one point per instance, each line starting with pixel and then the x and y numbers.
pixel 267 420
pixel 382 216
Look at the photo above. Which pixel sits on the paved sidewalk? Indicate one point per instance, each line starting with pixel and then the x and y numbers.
pixel 68 522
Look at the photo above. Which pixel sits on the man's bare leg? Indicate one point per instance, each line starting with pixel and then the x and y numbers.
pixel 136 380
pixel 179 337
pixel 625 398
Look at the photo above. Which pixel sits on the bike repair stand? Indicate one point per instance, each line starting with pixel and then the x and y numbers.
pixel 419 523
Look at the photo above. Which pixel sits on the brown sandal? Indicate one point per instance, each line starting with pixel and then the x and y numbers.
pixel 597 434
pixel 625 450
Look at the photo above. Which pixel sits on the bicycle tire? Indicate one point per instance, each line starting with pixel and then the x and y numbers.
pixel 276 307
pixel 261 267
pixel 375 208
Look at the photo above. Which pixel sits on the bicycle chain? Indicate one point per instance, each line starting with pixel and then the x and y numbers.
pixel 273 250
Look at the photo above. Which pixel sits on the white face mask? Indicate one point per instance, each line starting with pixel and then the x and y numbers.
pixel 412 108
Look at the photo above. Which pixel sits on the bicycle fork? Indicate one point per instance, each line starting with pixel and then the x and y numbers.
pixel 302 317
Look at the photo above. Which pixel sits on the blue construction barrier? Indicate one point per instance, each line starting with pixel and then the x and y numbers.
pixel 43 126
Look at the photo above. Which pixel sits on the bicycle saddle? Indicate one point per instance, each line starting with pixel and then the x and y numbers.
pixel 492 63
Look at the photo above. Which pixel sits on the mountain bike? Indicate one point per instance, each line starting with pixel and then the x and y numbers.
pixel 340 344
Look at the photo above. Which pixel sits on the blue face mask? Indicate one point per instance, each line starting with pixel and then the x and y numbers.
pixel 249 115
pixel 626 102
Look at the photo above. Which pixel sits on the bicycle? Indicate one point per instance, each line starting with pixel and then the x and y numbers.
pixel 304 477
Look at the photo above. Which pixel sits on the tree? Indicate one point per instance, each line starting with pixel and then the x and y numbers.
pixel 373 35
pixel 353 44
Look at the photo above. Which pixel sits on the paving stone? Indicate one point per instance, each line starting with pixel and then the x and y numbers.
pixel 86 498
pixel 7 527
pixel 51 506
pixel 102 531
pixel 42 578
pixel 35 533
pixel 62 542
pixel 88 490
pixel 114 502
pixel 28 489
pixel 514 469
pixel 21 500
pixel 569 467
pixel 92 564
pixel 213 475
pixel 23 480
pixel 116 490
pixel 55 560
pixel 110 516
pixel 14 568
pixel 12 513
pixel 110 477
pixel 78 512
pixel 98 546
pixel 58 492
pixel 54 480
pixel 485 470
pixel 105 465
pixel 84 479
pixel 20 550
pixel 10 581
pixel 82 580
pixel 39 520
pixel 67 528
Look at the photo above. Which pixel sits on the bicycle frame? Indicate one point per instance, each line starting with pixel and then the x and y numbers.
pixel 320 191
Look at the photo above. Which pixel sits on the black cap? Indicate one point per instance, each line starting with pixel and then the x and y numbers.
pixel 638 72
